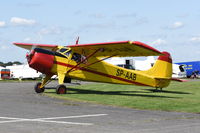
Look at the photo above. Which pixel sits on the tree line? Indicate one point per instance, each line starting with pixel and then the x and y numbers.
pixel 2 64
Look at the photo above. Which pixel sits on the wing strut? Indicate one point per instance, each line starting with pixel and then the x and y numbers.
pixel 100 49
pixel 98 61
pixel 94 62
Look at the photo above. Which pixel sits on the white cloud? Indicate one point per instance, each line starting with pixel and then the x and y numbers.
pixel 32 39
pixel 126 15
pixel 27 39
pixel 97 15
pixel 3 47
pixel 184 15
pixel 99 25
pixel 2 24
pixel 158 42
pixel 176 25
pixel 50 30
pixel 22 21
pixel 29 4
pixel 195 39
pixel 140 21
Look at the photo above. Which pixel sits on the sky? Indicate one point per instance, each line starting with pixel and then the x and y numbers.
pixel 167 25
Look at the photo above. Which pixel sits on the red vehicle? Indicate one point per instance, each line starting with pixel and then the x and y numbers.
pixel 5 73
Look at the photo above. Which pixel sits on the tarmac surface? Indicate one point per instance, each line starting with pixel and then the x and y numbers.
pixel 24 111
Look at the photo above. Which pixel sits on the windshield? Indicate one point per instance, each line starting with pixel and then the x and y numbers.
pixel 65 51
pixel 62 50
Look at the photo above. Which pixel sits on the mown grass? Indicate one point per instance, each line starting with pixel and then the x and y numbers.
pixel 181 97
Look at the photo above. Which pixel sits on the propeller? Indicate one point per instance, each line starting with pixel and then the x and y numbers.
pixel 31 52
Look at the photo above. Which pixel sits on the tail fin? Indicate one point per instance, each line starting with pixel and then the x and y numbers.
pixel 162 68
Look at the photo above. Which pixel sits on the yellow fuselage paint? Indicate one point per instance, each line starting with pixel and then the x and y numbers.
pixel 105 72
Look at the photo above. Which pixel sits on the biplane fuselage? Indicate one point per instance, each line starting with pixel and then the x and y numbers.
pixel 68 64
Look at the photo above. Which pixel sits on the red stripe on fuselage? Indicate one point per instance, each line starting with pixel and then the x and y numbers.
pixel 100 73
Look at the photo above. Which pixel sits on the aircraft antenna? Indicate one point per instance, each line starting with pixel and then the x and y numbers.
pixel 77 40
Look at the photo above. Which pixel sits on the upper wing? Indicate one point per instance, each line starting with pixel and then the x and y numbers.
pixel 30 46
pixel 116 49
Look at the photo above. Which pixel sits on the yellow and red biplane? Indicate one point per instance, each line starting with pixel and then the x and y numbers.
pixel 86 62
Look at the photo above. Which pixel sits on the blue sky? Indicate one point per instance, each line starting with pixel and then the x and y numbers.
pixel 170 25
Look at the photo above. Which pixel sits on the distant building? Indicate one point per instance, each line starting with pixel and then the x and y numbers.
pixel 2 68
pixel 122 62
pixel 23 72
pixel 143 65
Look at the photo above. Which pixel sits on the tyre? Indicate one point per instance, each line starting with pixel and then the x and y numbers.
pixel 61 89
pixel 38 89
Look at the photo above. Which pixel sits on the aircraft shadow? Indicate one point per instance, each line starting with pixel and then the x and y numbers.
pixel 123 93
pixel 165 91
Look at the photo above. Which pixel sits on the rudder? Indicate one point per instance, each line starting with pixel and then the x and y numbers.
pixel 162 67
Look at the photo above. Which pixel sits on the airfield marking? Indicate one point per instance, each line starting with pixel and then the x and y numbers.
pixel 50 119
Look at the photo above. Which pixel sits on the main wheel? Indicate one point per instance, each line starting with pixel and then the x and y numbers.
pixel 38 89
pixel 61 89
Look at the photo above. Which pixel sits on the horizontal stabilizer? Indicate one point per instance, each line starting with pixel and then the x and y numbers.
pixel 169 78
pixel 163 78
pixel 179 80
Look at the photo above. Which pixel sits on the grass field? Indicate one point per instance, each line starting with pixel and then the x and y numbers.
pixel 181 97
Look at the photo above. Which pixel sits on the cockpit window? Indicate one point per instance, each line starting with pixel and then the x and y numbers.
pixel 76 57
pixel 64 51
pixel 68 53
pixel 79 58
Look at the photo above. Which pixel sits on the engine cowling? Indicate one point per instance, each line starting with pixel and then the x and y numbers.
pixel 41 60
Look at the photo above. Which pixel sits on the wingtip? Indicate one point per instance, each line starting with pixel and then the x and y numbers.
pixel 146 46
pixel 14 43
pixel 165 57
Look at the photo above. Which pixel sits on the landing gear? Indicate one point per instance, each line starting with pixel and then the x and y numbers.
pixel 61 89
pixel 158 89
pixel 38 89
